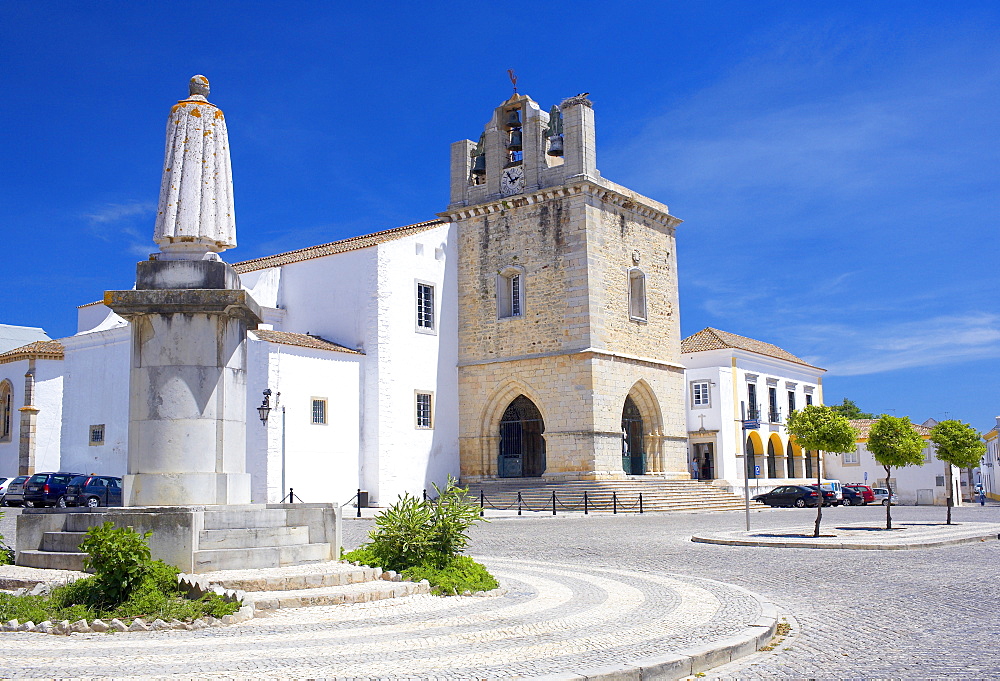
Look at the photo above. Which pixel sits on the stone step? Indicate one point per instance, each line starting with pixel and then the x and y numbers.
pixel 252 537
pixel 241 517
pixel 294 577
pixel 335 595
pixel 51 560
pixel 262 556
pixel 65 542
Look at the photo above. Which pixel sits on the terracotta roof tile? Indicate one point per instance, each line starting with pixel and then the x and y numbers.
pixel 865 425
pixel 352 244
pixel 302 340
pixel 47 349
pixel 714 339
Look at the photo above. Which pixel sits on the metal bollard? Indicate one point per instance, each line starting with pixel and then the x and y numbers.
pixel 519 503
pixel 614 502
pixel 640 503
pixel 585 509
pixel 425 494
pixel 482 499
pixel 553 502
pixel 357 500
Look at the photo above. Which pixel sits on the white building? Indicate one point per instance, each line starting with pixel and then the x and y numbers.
pixel 989 475
pixel 732 379
pixel 925 484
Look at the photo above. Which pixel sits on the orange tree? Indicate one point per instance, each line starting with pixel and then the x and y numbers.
pixel 958 444
pixel 894 444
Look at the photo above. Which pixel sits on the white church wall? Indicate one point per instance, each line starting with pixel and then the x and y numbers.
pixel 412 360
pixel 96 389
pixel 48 401
pixel 96 317
pixel 263 285
pixel 320 460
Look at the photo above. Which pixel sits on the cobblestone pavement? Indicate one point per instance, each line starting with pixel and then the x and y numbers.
pixel 632 584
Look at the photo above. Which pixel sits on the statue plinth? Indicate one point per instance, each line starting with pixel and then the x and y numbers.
pixel 187 386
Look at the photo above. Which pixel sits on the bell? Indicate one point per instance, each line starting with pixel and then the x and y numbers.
pixel 479 164
pixel 555 145
pixel 515 141
pixel 514 118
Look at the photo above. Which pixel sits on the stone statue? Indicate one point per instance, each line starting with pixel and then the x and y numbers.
pixel 195 219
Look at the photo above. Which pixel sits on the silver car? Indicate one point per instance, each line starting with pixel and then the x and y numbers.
pixel 882 496
pixel 14 493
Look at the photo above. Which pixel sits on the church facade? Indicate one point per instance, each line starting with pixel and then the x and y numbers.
pixel 531 331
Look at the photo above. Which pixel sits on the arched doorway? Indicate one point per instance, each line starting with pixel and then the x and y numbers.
pixel 790 460
pixel 633 451
pixel 750 456
pixel 522 447
pixel 772 460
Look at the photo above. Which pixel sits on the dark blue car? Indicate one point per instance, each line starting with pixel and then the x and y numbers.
pixel 46 489
pixel 93 491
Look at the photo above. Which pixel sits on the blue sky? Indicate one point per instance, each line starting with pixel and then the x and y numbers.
pixel 836 163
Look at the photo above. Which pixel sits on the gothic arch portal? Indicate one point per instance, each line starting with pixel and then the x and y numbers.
pixel 642 431
pixel 491 416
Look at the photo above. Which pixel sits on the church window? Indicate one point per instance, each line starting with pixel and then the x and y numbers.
pixel 510 293
pixel 700 393
pixel 425 307
pixel 97 435
pixel 6 411
pixel 319 411
pixel 424 413
pixel 636 295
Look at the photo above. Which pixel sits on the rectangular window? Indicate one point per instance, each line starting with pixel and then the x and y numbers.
pixel 510 294
pixel 700 394
pixel 809 400
pixel 637 295
pixel 425 307
pixel 851 457
pixel 97 435
pixel 791 401
pixel 319 411
pixel 772 403
pixel 752 401
pixel 515 295
pixel 424 413
pixel 939 481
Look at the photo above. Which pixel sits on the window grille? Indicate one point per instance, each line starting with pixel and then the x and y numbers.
pixel 425 306
pixel 97 435
pixel 319 412
pixel 424 410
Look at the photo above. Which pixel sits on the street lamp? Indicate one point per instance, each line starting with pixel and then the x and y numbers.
pixel 265 407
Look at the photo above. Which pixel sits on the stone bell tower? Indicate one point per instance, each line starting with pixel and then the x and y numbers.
pixel 569 339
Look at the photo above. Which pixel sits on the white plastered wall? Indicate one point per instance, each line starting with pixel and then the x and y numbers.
pixel 48 401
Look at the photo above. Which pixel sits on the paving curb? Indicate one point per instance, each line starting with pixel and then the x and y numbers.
pixel 968 534
pixel 687 661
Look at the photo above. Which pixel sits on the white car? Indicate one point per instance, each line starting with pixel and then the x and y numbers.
pixel 3 484
pixel 882 496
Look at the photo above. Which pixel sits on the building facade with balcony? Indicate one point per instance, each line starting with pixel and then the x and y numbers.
pixel 739 393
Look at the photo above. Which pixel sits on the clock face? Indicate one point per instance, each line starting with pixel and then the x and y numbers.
pixel 512 180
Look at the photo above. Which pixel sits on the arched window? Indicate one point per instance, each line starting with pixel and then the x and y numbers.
pixel 510 292
pixel 6 410
pixel 636 294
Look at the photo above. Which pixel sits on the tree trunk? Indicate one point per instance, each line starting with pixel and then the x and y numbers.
pixel 819 490
pixel 888 500
pixel 948 481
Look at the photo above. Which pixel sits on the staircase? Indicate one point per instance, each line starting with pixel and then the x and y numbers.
pixel 604 495
pixel 229 538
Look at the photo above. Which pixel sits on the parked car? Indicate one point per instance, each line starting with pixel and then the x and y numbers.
pixel 92 491
pixel 864 490
pixel 852 496
pixel 882 496
pixel 14 492
pixel 830 497
pixel 46 489
pixel 3 485
pixel 789 495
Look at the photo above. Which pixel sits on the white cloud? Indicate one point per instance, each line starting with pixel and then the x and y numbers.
pixel 847 350
pixel 118 212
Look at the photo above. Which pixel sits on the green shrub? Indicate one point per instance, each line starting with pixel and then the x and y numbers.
pixel 459 575
pixel 422 539
pixel 119 558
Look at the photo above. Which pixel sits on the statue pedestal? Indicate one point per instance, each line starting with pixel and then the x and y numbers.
pixel 187 384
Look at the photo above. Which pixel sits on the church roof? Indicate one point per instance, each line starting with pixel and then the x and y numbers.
pixel 865 425
pixel 714 339
pixel 46 349
pixel 302 340
pixel 352 244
